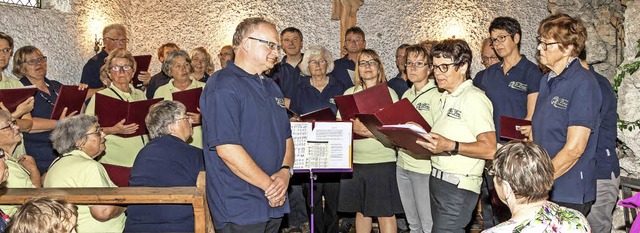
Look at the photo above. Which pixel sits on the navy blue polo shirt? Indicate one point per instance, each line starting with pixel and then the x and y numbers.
pixel 157 81
pixel 340 71
pixel 91 70
pixel 398 84
pixel 289 77
pixel 38 145
pixel 572 98
pixel 308 99
pixel 247 110
pixel 606 157
pixel 508 92
pixel 166 161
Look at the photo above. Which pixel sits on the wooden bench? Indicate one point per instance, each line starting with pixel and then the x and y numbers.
pixel 194 196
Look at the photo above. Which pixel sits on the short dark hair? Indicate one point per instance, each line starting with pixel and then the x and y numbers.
pixel 164 46
pixel 9 39
pixel 355 30
pixel 420 50
pixel 292 30
pixel 510 25
pixel 457 50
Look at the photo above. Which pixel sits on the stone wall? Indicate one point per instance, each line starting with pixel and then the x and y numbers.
pixel 65 30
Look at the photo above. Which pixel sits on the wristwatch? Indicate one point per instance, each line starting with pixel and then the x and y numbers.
pixel 288 168
pixel 455 149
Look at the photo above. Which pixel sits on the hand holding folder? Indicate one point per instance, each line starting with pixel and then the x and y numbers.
pixel 11 98
pixel 367 101
pixel 142 64
pixel 111 111
pixel 510 128
pixel 190 98
pixel 70 97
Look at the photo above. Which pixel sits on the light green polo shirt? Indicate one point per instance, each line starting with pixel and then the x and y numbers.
pixel 165 92
pixel 120 151
pixel 9 82
pixel 423 99
pixel 18 178
pixel 77 170
pixel 370 150
pixel 466 113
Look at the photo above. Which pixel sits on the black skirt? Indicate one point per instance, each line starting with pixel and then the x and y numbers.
pixel 371 190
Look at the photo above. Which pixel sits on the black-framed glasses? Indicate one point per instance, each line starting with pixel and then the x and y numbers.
pixel 500 39
pixel 124 40
pixel 418 64
pixel 10 124
pixel 368 63
pixel 6 50
pixel 121 68
pixel 316 63
pixel 543 44
pixel 36 61
pixel 272 45
pixel 443 68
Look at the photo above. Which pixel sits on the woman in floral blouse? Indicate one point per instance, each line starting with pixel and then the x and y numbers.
pixel 523 178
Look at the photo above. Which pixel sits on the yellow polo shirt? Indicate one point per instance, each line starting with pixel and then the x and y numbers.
pixel 120 151
pixel 18 178
pixel 9 82
pixel 165 92
pixel 423 99
pixel 466 113
pixel 77 170
pixel 370 150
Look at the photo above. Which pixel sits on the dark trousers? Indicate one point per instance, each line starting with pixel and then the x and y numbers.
pixel 271 226
pixel 325 219
pixel 451 207
pixel 298 213
pixel 583 208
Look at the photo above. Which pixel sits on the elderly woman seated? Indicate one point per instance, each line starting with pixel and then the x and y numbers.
pixel 44 214
pixel 79 140
pixel 166 161
pixel 523 178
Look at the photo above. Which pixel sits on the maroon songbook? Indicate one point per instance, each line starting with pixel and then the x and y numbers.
pixel 110 111
pixel 406 138
pixel 510 127
pixel 190 98
pixel 370 100
pixel 142 64
pixel 71 98
pixel 324 114
pixel 11 98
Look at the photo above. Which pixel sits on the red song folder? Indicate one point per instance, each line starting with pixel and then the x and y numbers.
pixel 510 127
pixel 11 98
pixel 370 100
pixel 406 137
pixel 71 98
pixel 142 64
pixel 190 98
pixel 324 114
pixel 110 111
pixel 400 112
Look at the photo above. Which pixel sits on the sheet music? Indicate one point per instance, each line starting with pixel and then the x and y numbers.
pixel 327 145
pixel 300 133
pixel 317 152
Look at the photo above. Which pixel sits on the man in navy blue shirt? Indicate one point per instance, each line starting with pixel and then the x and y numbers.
pixel 489 57
pixel 354 43
pixel 114 36
pixel 160 78
pixel 247 136
pixel 607 164
pixel 287 71
pixel 400 83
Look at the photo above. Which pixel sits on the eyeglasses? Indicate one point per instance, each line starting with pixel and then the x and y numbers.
pixel 121 68
pixel 417 64
pixel 10 124
pixel 500 39
pixel 488 59
pixel 273 46
pixel 36 61
pixel 316 63
pixel 199 60
pixel 6 50
pixel 356 41
pixel 182 66
pixel 124 40
pixel 443 67
pixel 368 63
pixel 543 44
pixel 184 118
pixel 98 132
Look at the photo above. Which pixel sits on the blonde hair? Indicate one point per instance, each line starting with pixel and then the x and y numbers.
pixel 382 78
pixel 44 214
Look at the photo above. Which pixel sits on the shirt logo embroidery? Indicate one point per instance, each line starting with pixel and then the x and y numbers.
pixel 454 113
pixel 280 102
pixel 559 103
pixel 422 107
pixel 332 101
pixel 518 86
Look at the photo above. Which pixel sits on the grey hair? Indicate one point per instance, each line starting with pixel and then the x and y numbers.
pixel 69 130
pixel 161 115
pixel 313 52
pixel 5 115
pixel 111 27
pixel 168 61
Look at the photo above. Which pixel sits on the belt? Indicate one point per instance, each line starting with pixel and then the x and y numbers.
pixel 447 177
